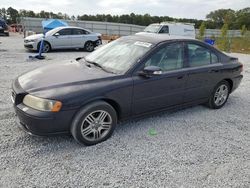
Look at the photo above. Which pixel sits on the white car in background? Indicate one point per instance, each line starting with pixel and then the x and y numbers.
pixel 64 38
pixel 171 28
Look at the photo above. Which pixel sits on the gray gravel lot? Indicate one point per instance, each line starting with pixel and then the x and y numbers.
pixel 195 147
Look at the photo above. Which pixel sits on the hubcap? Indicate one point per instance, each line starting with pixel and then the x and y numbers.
pixel 96 125
pixel 89 46
pixel 46 48
pixel 220 95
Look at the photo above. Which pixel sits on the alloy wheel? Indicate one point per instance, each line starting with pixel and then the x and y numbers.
pixel 221 95
pixel 96 125
pixel 46 47
pixel 89 47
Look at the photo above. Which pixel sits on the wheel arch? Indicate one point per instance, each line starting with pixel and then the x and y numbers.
pixel 111 102
pixel 38 44
pixel 230 81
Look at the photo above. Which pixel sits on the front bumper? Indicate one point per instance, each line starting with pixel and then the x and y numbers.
pixel 43 123
pixel 98 42
pixel 30 45
pixel 4 32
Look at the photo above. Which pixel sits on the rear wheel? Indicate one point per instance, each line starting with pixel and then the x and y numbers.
pixel 95 123
pixel 220 95
pixel 89 46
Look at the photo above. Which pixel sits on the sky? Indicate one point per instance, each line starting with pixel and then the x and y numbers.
pixel 197 9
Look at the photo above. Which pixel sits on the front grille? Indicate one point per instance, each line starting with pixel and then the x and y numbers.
pixel 28 46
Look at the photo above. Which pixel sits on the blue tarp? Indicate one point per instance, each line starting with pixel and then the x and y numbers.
pixel 209 41
pixel 52 23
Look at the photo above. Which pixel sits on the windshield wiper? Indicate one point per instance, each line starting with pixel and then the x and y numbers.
pixel 94 63
pixel 98 65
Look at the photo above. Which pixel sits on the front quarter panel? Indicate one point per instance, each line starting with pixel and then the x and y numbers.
pixel 76 96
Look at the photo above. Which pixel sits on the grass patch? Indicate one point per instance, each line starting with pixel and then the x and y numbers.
pixel 236 44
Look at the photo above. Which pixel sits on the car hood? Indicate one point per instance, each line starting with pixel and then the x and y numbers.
pixel 59 75
pixel 34 37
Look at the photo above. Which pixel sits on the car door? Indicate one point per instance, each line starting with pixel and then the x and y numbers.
pixel 78 37
pixel 203 71
pixel 164 90
pixel 62 39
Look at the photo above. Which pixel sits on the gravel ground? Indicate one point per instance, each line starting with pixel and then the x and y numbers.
pixel 195 147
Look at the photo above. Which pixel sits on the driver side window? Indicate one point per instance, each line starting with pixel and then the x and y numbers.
pixel 164 29
pixel 65 32
pixel 168 58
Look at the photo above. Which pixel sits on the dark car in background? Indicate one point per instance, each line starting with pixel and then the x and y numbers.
pixel 127 78
pixel 3 28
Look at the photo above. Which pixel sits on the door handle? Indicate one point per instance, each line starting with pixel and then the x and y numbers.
pixel 213 71
pixel 180 77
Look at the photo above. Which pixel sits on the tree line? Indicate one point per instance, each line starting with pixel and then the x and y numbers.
pixel 214 20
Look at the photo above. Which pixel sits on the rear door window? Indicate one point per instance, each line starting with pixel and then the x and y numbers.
pixel 80 32
pixel 199 55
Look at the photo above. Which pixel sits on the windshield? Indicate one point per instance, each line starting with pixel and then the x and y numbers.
pixel 152 28
pixel 52 31
pixel 119 55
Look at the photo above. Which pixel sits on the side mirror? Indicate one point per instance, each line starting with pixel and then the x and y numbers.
pixel 56 34
pixel 150 71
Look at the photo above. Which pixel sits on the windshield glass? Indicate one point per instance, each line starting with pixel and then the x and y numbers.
pixel 152 28
pixel 119 55
pixel 51 32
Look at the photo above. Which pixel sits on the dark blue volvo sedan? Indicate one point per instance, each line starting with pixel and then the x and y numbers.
pixel 129 77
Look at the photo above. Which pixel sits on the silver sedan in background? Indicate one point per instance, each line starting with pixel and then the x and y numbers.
pixel 64 38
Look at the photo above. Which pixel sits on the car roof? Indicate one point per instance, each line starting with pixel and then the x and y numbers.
pixel 70 27
pixel 173 23
pixel 156 38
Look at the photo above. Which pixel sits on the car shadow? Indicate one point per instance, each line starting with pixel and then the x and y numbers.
pixel 123 129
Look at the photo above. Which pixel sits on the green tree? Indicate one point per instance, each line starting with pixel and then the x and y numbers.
pixel 224 30
pixel 225 42
pixel 202 30
pixel 12 15
pixel 243 30
pixel 3 13
pixel 221 16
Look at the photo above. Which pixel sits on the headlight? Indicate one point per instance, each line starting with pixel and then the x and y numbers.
pixel 42 104
pixel 33 40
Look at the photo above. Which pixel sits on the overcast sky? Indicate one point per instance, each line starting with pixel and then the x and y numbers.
pixel 174 8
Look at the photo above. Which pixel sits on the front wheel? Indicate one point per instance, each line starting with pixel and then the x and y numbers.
pixel 89 46
pixel 46 47
pixel 93 124
pixel 219 96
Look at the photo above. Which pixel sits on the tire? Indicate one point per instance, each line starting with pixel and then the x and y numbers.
pixel 94 123
pixel 46 47
pixel 89 46
pixel 219 96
